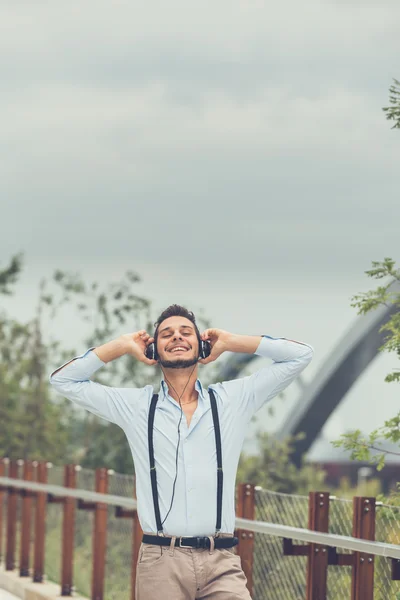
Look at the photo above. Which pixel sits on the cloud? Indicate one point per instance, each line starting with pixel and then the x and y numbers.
pixel 234 153
pixel 206 41
pixel 252 125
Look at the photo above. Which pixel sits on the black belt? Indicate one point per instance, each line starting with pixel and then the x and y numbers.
pixel 191 542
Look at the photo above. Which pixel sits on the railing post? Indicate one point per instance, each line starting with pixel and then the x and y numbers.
pixel 362 585
pixel 99 537
pixel 317 562
pixel 11 517
pixel 68 533
pixel 3 463
pixel 26 513
pixel 40 523
pixel 246 510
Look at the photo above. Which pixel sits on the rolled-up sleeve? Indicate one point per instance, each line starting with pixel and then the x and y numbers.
pixel 72 381
pixel 289 357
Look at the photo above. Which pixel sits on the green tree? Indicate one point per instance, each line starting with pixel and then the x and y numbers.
pixel 30 424
pixel 368 447
pixel 393 111
pixel 362 447
pixel 272 468
pixel 105 312
pixel 9 275
pixel 36 422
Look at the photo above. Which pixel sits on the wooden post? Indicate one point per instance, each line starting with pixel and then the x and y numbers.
pixel 99 537
pixel 362 585
pixel 3 463
pixel 395 569
pixel 317 563
pixel 40 524
pixel 26 513
pixel 11 517
pixel 68 533
pixel 246 510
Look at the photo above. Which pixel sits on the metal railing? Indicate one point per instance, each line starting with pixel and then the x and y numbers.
pixel 285 578
pixel 100 533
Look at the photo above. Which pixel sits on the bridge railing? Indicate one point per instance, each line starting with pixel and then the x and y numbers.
pixel 80 528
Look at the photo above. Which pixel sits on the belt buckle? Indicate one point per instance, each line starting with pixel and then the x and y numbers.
pixel 182 545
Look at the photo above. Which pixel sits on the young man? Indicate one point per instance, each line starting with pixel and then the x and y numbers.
pixel 185 471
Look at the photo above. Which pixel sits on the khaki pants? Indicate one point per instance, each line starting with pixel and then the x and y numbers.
pixel 170 573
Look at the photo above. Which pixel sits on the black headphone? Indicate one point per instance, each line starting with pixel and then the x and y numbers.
pixel 204 350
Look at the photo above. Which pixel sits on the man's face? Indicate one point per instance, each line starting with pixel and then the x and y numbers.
pixel 177 343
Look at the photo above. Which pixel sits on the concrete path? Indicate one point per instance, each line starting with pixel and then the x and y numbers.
pixel 6 595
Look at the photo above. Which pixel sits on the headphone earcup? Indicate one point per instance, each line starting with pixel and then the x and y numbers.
pixel 205 349
pixel 151 352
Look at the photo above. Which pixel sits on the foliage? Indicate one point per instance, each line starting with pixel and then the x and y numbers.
pixel 33 421
pixel 106 311
pixel 30 424
pixel 368 447
pixel 9 275
pixel 34 424
pixel 393 111
pixel 272 468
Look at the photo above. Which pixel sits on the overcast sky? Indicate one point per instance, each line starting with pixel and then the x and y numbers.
pixel 234 153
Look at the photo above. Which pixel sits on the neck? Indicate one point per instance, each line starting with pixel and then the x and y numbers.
pixel 178 384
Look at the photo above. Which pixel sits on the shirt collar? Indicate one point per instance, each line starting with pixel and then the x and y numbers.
pixel 163 393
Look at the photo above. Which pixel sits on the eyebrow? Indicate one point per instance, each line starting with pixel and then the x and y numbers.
pixel 181 327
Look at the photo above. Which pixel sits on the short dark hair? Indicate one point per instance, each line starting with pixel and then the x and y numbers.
pixel 175 310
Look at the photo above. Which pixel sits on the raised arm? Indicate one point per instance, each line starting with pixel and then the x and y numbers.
pixel 72 379
pixel 289 358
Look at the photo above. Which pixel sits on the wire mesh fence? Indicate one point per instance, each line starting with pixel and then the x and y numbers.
pixel 274 575
pixel 387 529
pixel 285 509
pixel 119 543
pixel 284 577
pixel 340 523
pixel 119 537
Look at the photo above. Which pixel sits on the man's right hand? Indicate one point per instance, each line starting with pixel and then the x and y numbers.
pixel 136 344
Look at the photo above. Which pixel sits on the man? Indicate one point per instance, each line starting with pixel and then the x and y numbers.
pixel 185 445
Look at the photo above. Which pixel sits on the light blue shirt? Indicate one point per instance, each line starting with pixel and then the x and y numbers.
pixel 194 510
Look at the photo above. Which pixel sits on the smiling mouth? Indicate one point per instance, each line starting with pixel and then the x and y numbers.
pixel 178 349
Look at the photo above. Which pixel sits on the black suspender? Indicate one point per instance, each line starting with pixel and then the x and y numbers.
pixel 153 474
pixel 220 473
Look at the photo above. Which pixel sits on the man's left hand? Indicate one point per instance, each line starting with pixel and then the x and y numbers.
pixel 219 340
